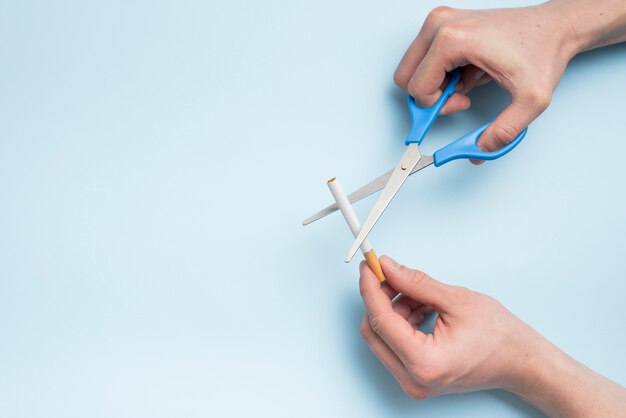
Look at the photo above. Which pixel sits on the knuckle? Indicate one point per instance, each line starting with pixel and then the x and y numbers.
pixel 400 80
pixel 463 297
pixel 428 375
pixel 539 98
pixel 413 89
pixel 504 133
pixel 417 278
pixel 451 32
pixel 462 293
pixel 377 323
pixel 438 14
pixel 365 330
pixel 417 393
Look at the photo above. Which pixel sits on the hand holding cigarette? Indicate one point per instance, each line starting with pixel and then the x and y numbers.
pixel 477 344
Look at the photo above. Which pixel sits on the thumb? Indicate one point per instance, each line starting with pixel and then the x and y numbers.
pixel 513 120
pixel 418 285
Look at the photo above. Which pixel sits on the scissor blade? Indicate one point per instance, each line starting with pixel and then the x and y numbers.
pixel 402 171
pixel 370 188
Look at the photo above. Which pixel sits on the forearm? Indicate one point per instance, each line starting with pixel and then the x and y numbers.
pixel 560 386
pixel 593 23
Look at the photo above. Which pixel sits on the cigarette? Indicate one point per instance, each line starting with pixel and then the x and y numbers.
pixel 355 226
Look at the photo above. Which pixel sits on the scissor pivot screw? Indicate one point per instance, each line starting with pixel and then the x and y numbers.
pixel 403 167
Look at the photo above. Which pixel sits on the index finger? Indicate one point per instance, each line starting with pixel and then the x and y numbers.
pixel 429 78
pixel 416 51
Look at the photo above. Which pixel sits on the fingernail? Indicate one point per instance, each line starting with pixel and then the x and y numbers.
pixel 481 147
pixel 361 266
pixel 393 263
pixel 459 86
pixel 478 75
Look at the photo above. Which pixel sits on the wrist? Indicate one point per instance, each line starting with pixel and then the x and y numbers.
pixel 566 26
pixel 558 385
pixel 532 355
pixel 586 25
pixel 543 373
pixel 546 379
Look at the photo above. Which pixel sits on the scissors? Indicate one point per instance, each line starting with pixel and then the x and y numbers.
pixel 413 161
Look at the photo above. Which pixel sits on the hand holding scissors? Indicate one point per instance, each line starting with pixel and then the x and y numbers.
pixel 413 161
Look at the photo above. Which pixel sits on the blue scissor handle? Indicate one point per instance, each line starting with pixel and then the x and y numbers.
pixel 421 118
pixel 465 147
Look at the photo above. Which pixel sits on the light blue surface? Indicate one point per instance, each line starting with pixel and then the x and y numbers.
pixel 157 158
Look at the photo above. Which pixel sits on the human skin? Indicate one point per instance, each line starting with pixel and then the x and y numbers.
pixel 524 50
pixel 476 344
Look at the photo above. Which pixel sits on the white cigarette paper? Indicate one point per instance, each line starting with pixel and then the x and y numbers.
pixel 348 211
pixel 355 226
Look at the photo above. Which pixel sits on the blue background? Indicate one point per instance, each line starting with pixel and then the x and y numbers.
pixel 157 159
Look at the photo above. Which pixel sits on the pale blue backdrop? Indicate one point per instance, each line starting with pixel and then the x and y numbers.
pixel 157 158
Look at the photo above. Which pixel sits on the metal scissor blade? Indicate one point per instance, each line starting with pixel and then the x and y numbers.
pixel 402 171
pixel 370 188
